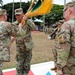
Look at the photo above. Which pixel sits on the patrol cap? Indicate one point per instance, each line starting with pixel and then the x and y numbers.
pixel 3 12
pixel 57 23
pixel 70 4
pixel 18 11
pixel 60 22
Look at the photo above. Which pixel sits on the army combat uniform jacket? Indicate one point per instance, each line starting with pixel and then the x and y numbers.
pixel 25 42
pixel 66 47
pixel 6 30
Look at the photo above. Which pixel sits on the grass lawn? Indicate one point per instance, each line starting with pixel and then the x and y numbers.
pixel 41 52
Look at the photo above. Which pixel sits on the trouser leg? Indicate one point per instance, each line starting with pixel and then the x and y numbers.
pixel 68 70
pixel 1 68
pixel 28 57
pixel 19 64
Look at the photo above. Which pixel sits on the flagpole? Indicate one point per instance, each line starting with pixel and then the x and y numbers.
pixel 20 3
pixel 73 0
pixel 13 12
pixel 64 3
pixel 44 19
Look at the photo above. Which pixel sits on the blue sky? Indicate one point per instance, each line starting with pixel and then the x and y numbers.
pixel 60 2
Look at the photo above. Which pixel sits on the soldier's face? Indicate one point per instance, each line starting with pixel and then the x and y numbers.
pixel 67 13
pixel 19 17
pixel 59 25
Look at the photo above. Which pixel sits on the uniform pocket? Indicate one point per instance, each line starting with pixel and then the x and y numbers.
pixel 29 45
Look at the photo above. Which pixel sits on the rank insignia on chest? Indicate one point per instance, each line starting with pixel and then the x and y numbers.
pixel 60 39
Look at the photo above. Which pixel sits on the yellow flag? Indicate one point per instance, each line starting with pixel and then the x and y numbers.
pixel 40 8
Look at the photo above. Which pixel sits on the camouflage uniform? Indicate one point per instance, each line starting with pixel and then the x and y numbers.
pixel 66 48
pixel 6 30
pixel 5 34
pixel 56 33
pixel 66 43
pixel 1 64
pixel 24 47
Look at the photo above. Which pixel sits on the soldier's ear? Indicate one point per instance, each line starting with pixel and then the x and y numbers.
pixel 70 11
pixel 5 17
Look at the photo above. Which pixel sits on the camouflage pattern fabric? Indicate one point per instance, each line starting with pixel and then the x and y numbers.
pixel 23 62
pixel 66 48
pixel 1 68
pixel 6 30
pixel 54 49
pixel 24 47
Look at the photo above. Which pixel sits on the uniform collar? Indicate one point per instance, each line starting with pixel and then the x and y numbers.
pixel 73 19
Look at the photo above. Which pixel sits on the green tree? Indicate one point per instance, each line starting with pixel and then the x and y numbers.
pixel 9 8
pixel 55 14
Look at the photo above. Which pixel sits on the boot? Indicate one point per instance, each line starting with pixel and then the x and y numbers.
pixel 54 69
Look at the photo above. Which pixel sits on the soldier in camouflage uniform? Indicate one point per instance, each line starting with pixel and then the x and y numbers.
pixel 65 59
pixel 24 45
pixel 6 30
pixel 51 36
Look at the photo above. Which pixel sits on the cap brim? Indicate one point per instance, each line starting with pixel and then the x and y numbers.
pixel 18 13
